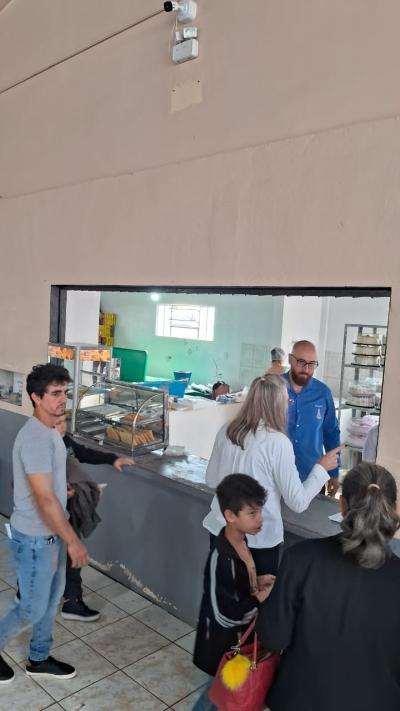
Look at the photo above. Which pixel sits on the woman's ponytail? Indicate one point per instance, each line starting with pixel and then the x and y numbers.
pixel 371 520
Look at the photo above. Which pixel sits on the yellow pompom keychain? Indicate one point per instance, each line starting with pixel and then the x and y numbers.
pixel 235 671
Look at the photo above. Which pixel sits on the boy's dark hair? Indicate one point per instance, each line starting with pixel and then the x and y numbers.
pixel 238 490
pixel 41 376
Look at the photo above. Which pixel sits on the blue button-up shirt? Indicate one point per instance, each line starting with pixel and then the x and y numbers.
pixel 312 424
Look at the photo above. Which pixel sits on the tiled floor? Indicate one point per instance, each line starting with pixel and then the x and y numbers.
pixel 136 657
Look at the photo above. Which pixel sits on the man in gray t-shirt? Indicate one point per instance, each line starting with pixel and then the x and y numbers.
pixel 40 531
pixel 37 448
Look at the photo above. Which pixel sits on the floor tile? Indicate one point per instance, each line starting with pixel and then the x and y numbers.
pixel 54 707
pixel 108 613
pixel 23 694
pixel 188 703
pixel 18 647
pixel 7 568
pixel 6 600
pixel 91 667
pixel 3 585
pixel 3 520
pixel 8 660
pixel 116 693
pixel 5 547
pixel 126 599
pixel 168 673
pixel 93 579
pixel 125 642
pixel 163 622
pixel 187 642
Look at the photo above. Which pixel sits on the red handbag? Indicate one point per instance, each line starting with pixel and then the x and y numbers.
pixel 252 693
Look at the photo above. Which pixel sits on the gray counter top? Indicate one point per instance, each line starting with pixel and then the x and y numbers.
pixel 314 522
pixel 189 471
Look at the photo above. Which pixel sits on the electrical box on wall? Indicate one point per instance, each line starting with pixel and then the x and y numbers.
pixel 186 43
pixel 182 52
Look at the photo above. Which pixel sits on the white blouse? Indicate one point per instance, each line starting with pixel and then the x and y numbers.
pixel 268 457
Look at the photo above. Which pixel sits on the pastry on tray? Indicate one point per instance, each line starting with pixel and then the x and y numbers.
pixel 125 436
pixel 131 417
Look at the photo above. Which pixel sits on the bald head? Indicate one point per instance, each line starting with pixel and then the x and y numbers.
pixel 303 361
pixel 304 347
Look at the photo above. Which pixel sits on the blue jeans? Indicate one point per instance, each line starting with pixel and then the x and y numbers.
pixel 40 566
pixel 203 703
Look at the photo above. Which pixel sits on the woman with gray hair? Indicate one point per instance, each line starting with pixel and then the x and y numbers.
pixel 335 611
pixel 255 443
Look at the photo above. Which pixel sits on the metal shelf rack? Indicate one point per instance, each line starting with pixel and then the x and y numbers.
pixel 360 331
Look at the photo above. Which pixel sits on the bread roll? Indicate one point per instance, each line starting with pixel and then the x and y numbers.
pixel 113 433
pixel 124 435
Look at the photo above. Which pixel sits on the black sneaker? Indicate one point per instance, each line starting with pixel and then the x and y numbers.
pixel 76 609
pixel 50 668
pixel 6 673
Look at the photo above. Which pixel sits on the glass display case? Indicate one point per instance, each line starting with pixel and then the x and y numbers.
pixel 86 365
pixel 125 416
pixel 11 386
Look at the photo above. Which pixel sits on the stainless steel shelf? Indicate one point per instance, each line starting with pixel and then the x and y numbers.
pixel 117 420
pixel 356 366
pixel 368 345
pixel 374 409
pixel 366 367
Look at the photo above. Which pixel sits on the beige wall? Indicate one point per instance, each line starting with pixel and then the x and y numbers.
pixel 286 173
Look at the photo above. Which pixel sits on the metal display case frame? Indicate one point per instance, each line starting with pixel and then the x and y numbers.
pixel 136 415
pixel 78 353
pixel 358 369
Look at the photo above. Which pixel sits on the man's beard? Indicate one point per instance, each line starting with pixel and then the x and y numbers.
pixel 300 379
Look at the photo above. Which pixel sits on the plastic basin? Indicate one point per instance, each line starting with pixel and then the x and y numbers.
pixel 182 375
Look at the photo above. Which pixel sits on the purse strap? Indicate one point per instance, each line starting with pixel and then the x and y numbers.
pixel 247 632
pixel 243 639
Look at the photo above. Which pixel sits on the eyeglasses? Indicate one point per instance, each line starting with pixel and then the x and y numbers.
pixel 312 364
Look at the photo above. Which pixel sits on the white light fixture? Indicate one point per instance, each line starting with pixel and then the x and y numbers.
pixel 154 296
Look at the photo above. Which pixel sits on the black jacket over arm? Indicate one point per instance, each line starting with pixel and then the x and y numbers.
pixel 87 455
pixel 340 626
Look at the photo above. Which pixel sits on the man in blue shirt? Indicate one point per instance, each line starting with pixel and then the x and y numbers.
pixel 312 423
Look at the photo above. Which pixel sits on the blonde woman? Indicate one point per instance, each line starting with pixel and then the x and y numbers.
pixel 255 443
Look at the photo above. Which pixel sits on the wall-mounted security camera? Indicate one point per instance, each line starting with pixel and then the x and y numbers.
pixel 186 9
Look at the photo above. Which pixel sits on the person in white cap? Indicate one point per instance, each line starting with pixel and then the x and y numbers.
pixel 277 356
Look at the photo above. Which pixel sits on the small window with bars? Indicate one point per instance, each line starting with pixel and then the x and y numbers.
pixel 187 322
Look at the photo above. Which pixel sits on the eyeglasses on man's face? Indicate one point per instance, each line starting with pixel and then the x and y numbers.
pixel 311 364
